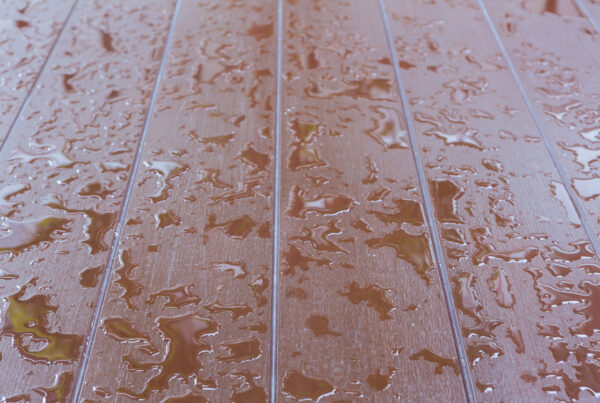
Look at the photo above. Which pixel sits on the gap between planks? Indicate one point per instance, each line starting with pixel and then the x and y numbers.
pixel 276 213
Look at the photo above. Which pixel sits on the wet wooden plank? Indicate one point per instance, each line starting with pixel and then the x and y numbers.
pixel 523 271
pixel 565 94
pixel 27 32
pixel 188 311
pixel 361 312
pixel 63 173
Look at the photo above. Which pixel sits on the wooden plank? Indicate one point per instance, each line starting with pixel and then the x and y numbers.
pixel 64 170
pixel 565 94
pixel 188 311
pixel 521 264
pixel 361 312
pixel 27 32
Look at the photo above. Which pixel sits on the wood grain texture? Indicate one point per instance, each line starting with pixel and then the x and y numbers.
pixel 27 32
pixel 63 173
pixel 362 315
pixel 565 95
pixel 188 310
pixel 521 265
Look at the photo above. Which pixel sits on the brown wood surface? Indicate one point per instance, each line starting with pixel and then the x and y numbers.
pixel 565 95
pixel 64 170
pixel 137 203
pixel 188 311
pixel 522 267
pixel 362 315
pixel 28 29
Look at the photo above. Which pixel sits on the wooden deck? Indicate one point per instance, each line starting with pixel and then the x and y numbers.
pixel 283 200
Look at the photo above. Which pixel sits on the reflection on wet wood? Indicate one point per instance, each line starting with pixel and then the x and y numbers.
pixel 28 31
pixel 64 170
pixel 187 313
pixel 358 282
pixel 191 287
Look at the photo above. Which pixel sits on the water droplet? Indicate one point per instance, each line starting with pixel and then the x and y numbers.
pixel 246 191
pixel 318 237
pixel 259 161
pixel 166 218
pixel 588 188
pixel 445 193
pixel 238 228
pixel 406 211
pixel 465 296
pixel 388 131
pixel 236 311
pixel 500 286
pixel 515 335
pixel 168 171
pixel 559 191
pixel 298 206
pixel 96 228
pixel 60 391
pixel 320 326
pixel 260 32
pixel 248 391
pixel 298 258
pixel 107 41
pixel 181 360
pixel 25 234
pixel 485 251
pixel 97 189
pixel 123 331
pixel 581 250
pixel 238 269
pixel 439 360
pixel 176 297
pixel 131 288
pixel 240 351
pixel 89 277
pixel 300 386
pixel 412 248
pixel 380 381
pixel 29 317
pixel 375 297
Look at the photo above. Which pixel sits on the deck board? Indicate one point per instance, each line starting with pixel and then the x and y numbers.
pixel 357 304
pixel 64 170
pixel 490 174
pixel 205 184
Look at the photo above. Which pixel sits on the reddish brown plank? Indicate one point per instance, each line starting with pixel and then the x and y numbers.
pixel 64 169
pixel 361 312
pixel 188 309
pixel 521 264
pixel 28 29
pixel 565 94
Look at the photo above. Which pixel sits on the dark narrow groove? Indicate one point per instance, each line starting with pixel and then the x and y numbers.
pixel 583 10
pixel 117 236
pixel 557 165
pixel 276 198
pixel 37 78
pixel 429 213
